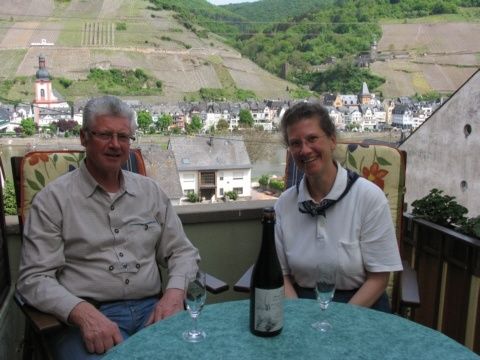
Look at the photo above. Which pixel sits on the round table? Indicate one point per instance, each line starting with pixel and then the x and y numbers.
pixel 358 333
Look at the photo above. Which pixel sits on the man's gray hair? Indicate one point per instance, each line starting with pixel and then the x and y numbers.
pixel 107 105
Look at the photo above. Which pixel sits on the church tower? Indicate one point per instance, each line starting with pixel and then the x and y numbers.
pixel 45 97
pixel 364 96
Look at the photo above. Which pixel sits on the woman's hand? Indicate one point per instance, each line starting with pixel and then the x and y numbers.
pixel 371 289
pixel 290 292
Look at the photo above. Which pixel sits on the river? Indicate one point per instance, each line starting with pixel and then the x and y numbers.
pixel 271 162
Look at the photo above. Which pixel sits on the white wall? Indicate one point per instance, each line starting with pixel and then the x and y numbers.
pixel 440 154
pixel 230 179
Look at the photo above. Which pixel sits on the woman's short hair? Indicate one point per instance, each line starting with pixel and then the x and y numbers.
pixel 107 105
pixel 307 110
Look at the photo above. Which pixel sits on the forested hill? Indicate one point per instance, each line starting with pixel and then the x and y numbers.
pixel 308 33
pixel 276 10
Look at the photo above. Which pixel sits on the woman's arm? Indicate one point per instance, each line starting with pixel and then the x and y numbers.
pixel 290 292
pixel 371 289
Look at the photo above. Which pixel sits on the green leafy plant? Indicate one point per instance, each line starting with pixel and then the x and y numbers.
pixel 440 209
pixel 471 226
pixel 277 184
pixel 9 201
pixel 264 180
pixel 232 195
pixel 121 26
pixel 192 197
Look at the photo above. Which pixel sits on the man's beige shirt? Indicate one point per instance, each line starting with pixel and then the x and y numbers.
pixel 81 243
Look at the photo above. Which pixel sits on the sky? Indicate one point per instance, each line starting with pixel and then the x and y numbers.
pixel 224 2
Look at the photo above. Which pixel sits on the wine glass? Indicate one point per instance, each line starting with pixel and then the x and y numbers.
pixel 195 295
pixel 325 289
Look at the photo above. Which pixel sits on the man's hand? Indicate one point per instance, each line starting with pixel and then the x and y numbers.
pixel 98 332
pixel 170 303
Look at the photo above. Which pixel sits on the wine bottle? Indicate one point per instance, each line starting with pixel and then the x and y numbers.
pixel 266 289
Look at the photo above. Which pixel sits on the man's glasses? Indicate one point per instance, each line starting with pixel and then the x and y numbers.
pixel 108 136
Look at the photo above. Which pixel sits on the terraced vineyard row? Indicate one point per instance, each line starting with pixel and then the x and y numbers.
pixel 98 34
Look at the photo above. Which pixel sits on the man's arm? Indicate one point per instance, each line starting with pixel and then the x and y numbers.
pixel 41 257
pixel 98 332
pixel 174 249
pixel 177 253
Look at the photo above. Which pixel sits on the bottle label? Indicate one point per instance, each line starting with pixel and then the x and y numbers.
pixel 268 309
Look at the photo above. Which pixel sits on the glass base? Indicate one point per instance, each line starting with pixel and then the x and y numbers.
pixel 322 326
pixel 194 336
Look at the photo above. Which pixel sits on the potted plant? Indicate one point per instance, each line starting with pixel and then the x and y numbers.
pixel 440 209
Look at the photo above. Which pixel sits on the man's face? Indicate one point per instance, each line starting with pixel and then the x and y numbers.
pixel 107 144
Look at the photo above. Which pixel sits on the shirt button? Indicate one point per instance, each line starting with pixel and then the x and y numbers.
pixel 146 227
pixel 127 281
pixel 110 268
pixel 137 266
pixel 121 254
pixel 112 207
pixel 116 231
pixel 124 266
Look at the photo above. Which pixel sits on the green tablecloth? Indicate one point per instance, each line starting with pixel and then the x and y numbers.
pixel 358 333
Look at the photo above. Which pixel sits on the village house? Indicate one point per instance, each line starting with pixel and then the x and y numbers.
pixel 210 167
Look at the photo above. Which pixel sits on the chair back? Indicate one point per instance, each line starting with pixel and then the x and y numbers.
pixel 382 164
pixel 36 169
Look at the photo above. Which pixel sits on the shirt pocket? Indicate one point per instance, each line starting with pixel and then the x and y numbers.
pixel 350 258
pixel 145 234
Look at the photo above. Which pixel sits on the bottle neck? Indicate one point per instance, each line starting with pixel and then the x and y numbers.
pixel 268 238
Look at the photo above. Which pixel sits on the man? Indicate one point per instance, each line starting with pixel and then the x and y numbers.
pixel 95 238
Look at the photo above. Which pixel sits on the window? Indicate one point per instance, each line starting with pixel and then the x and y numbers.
pixel 42 93
pixel 207 178
pixel 238 175
pixel 221 191
pixel 188 178
pixel 238 190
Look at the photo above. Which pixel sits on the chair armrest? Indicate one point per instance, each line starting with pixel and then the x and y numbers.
pixel 243 284
pixel 214 285
pixel 409 295
pixel 41 322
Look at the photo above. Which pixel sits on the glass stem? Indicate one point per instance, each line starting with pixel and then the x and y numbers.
pixel 195 328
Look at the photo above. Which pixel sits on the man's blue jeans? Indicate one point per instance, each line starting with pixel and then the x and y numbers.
pixel 130 316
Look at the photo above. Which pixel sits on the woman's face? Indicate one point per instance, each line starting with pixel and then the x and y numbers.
pixel 310 147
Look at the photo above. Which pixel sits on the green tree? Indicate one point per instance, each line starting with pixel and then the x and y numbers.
pixel 222 125
pixel 245 118
pixel 28 126
pixel 195 125
pixel 144 120
pixel 9 202
pixel 164 122
pixel 52 127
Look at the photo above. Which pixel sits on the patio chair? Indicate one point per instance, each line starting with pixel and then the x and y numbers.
pixel 367 160
pixel 31 173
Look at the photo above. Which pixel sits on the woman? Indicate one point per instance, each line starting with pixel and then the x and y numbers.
pixel 332 210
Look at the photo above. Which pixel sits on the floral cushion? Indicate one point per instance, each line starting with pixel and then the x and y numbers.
pixel 381 164
pixel 38 168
